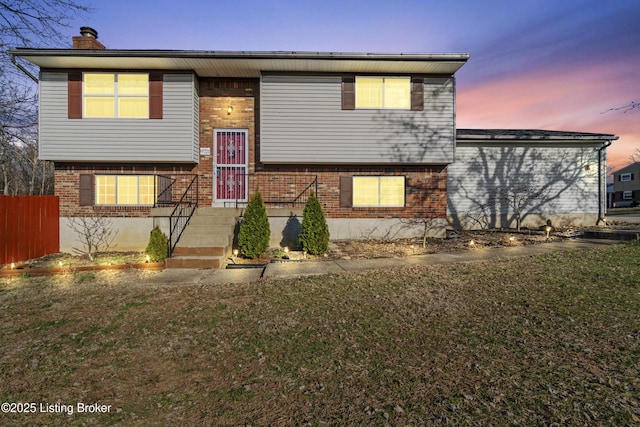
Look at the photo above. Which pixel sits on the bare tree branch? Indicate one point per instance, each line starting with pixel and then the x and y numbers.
pixel 625 108
pixel 33 23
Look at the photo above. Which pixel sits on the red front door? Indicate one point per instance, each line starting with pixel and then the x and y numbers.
pixel 230 172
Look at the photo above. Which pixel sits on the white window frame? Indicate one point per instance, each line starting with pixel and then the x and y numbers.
pixel 155 190
pixel 115 97
pixel 625 177
pixel 382 106
pixel 379 177
pixel 627 195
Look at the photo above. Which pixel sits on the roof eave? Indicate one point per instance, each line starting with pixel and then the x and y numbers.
pixel 245 63
pixel 159 53
pixel 505 135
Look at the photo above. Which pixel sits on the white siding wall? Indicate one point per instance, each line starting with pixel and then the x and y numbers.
pixel 302 122
pixel 566 175
pixel 174 138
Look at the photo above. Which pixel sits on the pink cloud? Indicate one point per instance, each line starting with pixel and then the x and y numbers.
pixel 575 99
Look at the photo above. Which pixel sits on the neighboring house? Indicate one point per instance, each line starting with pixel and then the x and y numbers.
pixel 372 134
pixel 609 195
pixel 547 175
pixel 626 186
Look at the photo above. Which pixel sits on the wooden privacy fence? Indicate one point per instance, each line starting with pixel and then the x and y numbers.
pixel 30 227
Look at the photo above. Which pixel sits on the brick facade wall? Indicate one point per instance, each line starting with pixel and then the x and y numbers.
pixel 425 192
pixel 67 187
pixel 216 96
pixel 426 186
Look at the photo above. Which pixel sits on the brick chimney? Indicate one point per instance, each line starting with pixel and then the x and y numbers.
pixel 88 39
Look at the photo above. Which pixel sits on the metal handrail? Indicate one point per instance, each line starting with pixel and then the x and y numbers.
pixel 182 212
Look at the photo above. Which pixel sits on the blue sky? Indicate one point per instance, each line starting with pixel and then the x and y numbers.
pixel 538 64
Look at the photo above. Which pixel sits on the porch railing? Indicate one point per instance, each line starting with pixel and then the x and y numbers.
pixel 181 192
pixel 285 190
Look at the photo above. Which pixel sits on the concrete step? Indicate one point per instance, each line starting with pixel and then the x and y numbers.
pixel 202 251
pixel 219 212
pixel 212 220
pixel 212 227
pixel 203 240
pixel 207 240
pixel 195 262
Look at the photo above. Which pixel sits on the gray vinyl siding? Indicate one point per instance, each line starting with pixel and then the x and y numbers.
pixel 174 138
pixel 565 174
pixel 196 119
pixel 302 121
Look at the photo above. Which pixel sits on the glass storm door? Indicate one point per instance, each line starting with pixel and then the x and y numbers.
pixel 230 165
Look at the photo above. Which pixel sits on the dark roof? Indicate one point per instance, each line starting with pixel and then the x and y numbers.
pixel 630 166
pixel 530 134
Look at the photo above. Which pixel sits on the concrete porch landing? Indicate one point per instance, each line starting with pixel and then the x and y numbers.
pixel 207 241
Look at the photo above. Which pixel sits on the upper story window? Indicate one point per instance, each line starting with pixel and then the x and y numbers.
pixel 383 92
pixel 93 94
pixel 625 177
pixel 122 95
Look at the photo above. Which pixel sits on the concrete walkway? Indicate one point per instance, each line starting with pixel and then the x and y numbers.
pixel 308 268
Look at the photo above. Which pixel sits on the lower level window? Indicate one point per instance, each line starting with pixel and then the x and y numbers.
pixel 378 191
pixel 627 195
pixel 130 190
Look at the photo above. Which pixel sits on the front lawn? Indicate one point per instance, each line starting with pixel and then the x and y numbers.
pixel 531 341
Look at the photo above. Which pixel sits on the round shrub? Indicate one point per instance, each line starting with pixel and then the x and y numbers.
pixel 158 247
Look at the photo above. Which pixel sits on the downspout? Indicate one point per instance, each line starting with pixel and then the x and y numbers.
pixel 602 188
pixel 21 68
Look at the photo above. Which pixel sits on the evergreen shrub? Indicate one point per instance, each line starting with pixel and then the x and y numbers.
pixel 254 233
pixel 314 236
pixel 158 247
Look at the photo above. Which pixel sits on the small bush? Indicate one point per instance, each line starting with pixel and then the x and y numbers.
pixel 314 237
pixel 158 247
pixel 254 233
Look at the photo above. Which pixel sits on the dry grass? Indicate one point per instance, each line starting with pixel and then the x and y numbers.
pixel 532 341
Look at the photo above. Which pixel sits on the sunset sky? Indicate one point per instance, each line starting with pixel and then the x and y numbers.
pixel 535 64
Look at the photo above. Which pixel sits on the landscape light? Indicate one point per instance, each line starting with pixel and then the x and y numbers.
pixel 235 252
pixel 13 265
pixel 148 258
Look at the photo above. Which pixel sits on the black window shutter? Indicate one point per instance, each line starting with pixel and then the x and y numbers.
pixel 417 94
pixel 619 178
pixel 631 177
pixel 346 191
pixel 86 190
pixel 348 93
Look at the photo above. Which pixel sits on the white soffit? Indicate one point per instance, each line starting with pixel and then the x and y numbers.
pixel 245 64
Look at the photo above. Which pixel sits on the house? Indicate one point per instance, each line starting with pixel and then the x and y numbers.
pixel 541 175
pixel 143 137
pixel 626 186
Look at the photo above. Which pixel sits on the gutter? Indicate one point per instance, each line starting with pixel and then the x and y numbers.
pixel 602 189
pixel 213 54
pixel 21 68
